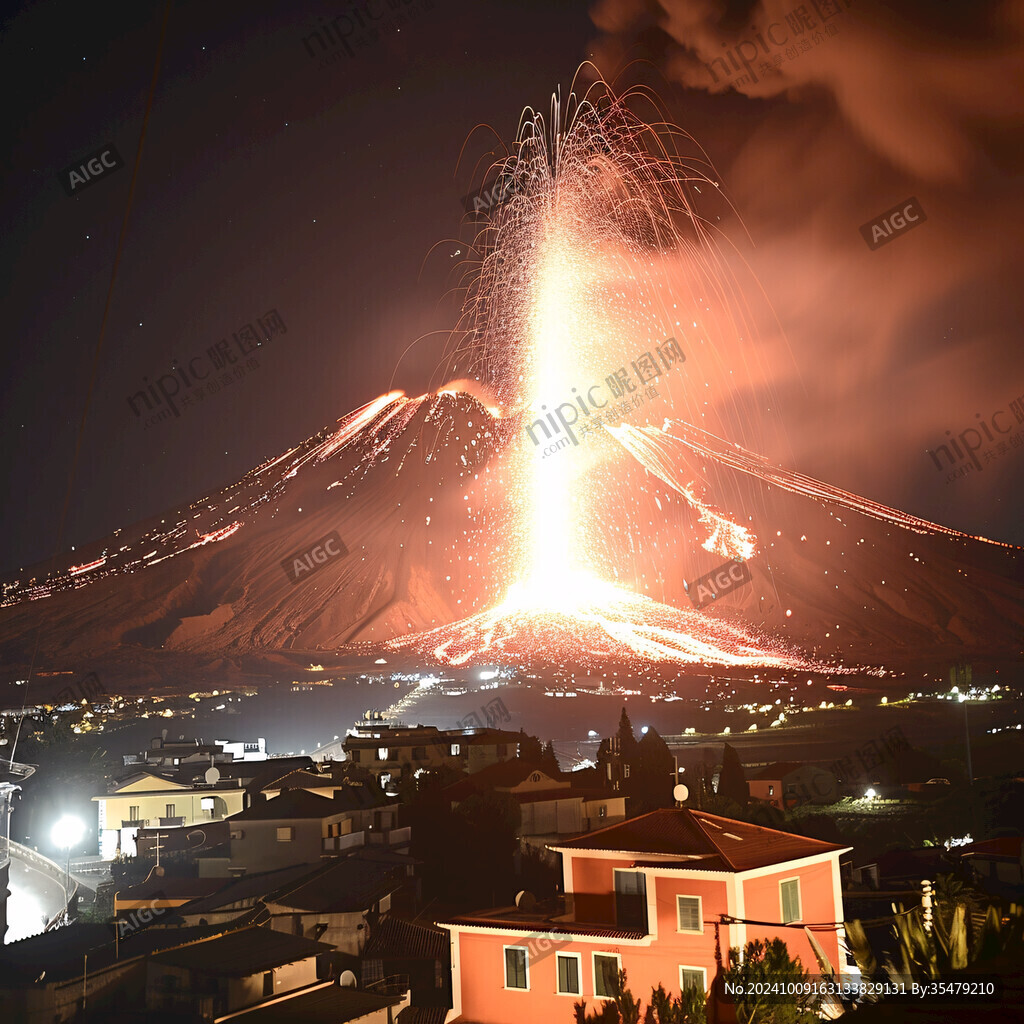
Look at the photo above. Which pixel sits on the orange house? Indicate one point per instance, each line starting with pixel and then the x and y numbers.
pixel 644 896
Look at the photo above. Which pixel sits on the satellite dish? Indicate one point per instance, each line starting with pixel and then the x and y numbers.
pixel 525 900
pixel 347 980
pixel 680 793
pixel 212 776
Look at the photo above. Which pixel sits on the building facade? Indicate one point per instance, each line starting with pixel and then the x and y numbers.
pixel 392 751
pixel 645 896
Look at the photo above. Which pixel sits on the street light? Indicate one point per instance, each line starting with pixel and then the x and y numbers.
pixel 67 832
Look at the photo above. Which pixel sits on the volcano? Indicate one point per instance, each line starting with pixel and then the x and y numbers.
pixel 414 487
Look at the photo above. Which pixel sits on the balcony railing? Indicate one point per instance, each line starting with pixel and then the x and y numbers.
pixel 382 837
pixel 172 822
pixel 390 837
pixel 392 985
pixel 338 844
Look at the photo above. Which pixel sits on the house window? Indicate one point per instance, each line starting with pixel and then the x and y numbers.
pixel 606 974
pixel 631 900
pixel 771 790
pixel 693 977
pixel 419 753
pixel 169 811
pixel 688 909
pixel 502 750
pixel 133 812
pixel 285 833
pixel 355 756
pixel 515 968
pixel 455 749
pixel 789 896
pixel 569 971
pixel 268 983
pixel 382 753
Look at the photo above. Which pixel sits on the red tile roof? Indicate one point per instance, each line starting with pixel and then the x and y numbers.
pixel 720 843
pixel 517 922
pixel 1001 846
pixel 503 775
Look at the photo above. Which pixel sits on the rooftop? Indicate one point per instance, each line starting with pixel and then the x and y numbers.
pixel 406 940
pixel 503 775
pixel 297 804
pixel 324 1004
pixel 776 771
pixel 170 888
pixel 700 840
pixel 242 952
pixel 242 893
pixel 548 916
pixel 1001 846
pixel 341 885
pixel 59 953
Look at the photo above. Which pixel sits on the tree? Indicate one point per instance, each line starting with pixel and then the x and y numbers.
pixel 496 815
pixel 530 749
pixel 690 1007
pixel 620 1010
pixel 627 741
pixel 764 967
pixel 687 1008
pixel 655 773
pixel 549 760
pixel 732 784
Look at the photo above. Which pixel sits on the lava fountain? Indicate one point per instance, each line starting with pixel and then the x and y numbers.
pixel 567 289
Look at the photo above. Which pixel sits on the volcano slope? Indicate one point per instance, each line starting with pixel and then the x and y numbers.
pixel 416 489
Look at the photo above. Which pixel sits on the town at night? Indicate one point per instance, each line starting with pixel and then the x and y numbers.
pixel 513 513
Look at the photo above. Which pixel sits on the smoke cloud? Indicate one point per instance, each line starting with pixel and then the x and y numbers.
pixel 820 116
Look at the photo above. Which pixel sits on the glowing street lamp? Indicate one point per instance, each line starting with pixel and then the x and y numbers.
pixel 66 833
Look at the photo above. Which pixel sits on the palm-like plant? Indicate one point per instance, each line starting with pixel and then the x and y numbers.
pixel 925 954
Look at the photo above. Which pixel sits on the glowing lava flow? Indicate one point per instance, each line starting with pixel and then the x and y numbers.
pixel 655 448
pixel 608 624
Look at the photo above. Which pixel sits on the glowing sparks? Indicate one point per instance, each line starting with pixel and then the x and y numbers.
pixel 77 570
pixel 588 622
pixel 565 291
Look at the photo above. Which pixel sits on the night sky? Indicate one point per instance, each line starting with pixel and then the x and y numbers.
pixel 328 188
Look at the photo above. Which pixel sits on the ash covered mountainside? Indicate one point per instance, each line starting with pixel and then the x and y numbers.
pixel 402 482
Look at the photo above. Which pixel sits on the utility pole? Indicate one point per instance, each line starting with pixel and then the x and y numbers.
pixel 961 675
pixel 158 837
pixel 967 733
